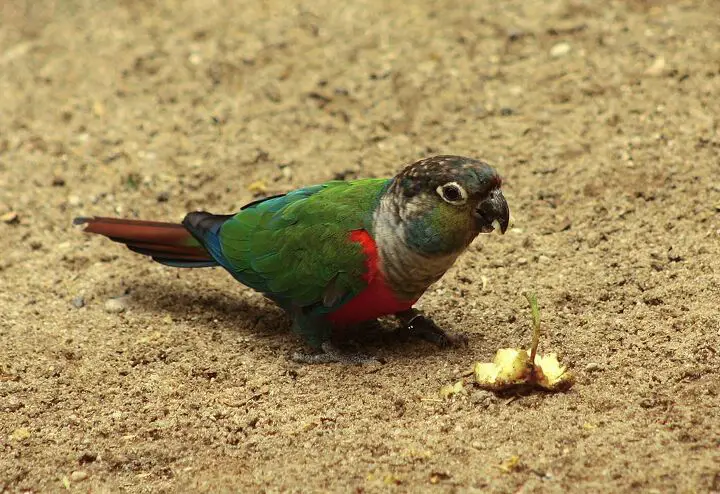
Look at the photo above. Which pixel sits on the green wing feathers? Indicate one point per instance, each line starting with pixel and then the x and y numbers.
pixel 296 247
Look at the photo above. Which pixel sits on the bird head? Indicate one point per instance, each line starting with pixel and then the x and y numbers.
pixel 444 202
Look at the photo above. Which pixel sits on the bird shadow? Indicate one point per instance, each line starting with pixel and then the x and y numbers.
pixel 259 316
pixel 262 318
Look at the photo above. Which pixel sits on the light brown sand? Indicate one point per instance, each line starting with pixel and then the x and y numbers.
pixel 611 154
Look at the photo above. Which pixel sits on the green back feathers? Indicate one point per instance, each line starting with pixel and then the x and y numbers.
pixel 295 248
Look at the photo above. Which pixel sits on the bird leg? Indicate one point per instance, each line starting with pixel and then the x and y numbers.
pixel 423 327
pixel 332 353
pixel 317 334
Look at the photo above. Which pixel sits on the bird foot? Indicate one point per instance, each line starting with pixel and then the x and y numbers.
pixel 331 354
pixel 423 327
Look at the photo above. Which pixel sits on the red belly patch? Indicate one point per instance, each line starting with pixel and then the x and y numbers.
pixel 377 299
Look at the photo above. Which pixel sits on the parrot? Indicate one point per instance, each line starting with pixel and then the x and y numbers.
pixel 339 253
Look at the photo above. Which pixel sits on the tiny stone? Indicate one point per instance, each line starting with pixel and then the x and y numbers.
pixel 58 182
pixel 543 259
pixel 593 239
pixel 647 403
pixel 481 398
pixel 163 197
pixel 593 367
pixel 522 261
pixel 506 112
pixel 10 218
pixel 20 434
pixel 74 201
pixel 78 302
pixel 78 476
pixel 515 34
pixel 560 50
pixel 115 306
pixel 657 68
pixel 13 404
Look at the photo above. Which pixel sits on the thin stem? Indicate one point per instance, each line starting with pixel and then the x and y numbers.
pixel 532 298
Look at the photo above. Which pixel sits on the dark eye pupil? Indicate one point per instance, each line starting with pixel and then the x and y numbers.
pixel 451 193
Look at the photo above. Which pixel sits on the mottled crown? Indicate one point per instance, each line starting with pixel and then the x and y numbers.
pixel 426 175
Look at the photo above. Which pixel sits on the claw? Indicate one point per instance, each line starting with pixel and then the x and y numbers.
pixel 423 327
pixel 331 354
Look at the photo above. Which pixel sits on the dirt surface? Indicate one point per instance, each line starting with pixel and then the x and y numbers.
pixel 603 119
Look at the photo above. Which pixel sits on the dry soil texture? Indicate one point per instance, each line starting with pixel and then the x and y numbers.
pixel 603 119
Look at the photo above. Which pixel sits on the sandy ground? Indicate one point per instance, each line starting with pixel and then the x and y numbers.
pixel 603 118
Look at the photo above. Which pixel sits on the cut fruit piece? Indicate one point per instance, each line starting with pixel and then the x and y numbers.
pixel 514 366
pixel 511 367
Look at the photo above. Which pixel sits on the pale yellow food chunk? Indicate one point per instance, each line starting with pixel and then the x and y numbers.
pixel 511 367
pixel 549 374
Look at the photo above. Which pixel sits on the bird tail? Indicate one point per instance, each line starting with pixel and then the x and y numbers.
pixel 167 243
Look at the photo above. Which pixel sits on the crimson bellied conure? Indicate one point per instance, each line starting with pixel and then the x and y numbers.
pixel 341 252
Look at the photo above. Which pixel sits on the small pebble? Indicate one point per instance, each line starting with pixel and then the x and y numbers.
pixel 657 68
pixel 515 34
pixel 58 182
pixel 13 404
pixel 10 218
pixel 593 367
pixel 560 50
pixel 78 302
pixel 20 434
pixel 522 261
pixel 78 475
pixel 543 259
pixel 115 306
pixel 163 197
pixel 593 239
pixel 481 398
pixel 74 201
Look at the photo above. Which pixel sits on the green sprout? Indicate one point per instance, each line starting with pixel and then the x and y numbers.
pixel 532 298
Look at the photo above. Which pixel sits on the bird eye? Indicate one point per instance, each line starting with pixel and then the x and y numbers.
pixel 452 193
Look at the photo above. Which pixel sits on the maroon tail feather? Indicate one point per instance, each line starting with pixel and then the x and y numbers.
pixel 168 243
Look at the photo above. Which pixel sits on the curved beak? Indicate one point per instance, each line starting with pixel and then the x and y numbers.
pixel 493 213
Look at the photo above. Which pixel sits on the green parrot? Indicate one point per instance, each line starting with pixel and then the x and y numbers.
pixel 338 253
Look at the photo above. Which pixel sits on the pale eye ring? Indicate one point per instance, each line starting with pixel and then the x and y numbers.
pixel 453 193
